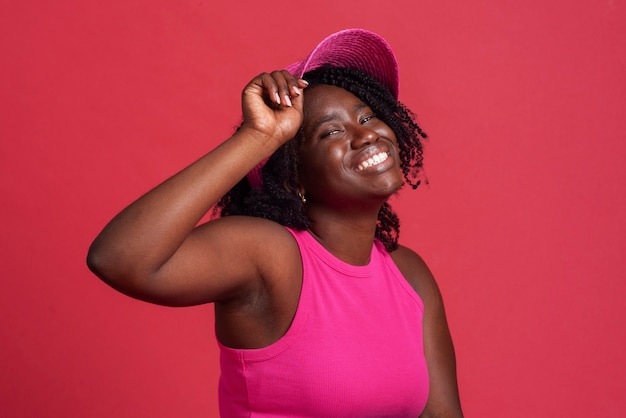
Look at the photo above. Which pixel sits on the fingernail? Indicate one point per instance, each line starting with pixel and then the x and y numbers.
pixel 287 100
pixel 304 81
pixel 297 91
pixel 277 97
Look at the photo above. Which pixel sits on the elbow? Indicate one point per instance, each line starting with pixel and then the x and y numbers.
pixel 93 260
pixel 119 271
pixel 97 261
pixel 109 263
pixel 103 265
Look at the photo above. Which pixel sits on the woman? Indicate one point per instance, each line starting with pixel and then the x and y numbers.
pixel 319 311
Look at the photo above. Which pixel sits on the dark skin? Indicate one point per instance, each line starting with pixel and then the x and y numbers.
pixel 251 267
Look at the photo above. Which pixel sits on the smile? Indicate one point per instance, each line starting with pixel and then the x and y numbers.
pixel 372 161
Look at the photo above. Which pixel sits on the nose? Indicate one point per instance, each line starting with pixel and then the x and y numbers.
pixel 363 137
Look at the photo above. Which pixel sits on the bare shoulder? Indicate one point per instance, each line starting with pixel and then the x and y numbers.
pixel 250 231
pixel 443 398
pixel 416 272
pixel 243 240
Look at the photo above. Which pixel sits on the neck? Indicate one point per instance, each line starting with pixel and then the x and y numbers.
pixel 349 238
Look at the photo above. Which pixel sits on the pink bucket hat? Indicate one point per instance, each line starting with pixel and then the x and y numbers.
pixel 350 48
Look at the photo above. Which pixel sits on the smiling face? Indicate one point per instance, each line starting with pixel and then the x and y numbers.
pixel 348 154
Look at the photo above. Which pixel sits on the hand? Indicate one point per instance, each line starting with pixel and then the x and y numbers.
pixel 272 105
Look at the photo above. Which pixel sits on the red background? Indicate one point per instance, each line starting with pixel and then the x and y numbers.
pixel 522 223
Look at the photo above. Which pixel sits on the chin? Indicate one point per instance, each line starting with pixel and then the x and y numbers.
pixel 390 188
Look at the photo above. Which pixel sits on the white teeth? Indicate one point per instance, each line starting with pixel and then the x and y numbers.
pixel 373 160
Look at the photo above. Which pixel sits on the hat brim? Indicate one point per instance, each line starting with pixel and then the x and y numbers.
pixel 354 48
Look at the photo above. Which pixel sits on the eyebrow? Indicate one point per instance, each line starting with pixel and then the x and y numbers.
pixel 323 120
pixel 335 115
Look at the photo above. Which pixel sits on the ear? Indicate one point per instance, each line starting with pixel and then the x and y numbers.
pixel 295 189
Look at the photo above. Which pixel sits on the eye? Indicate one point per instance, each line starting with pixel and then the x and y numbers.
pixel 367 119
pixel 329 133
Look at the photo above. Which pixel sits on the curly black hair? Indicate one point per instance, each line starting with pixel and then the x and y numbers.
pixel 276 201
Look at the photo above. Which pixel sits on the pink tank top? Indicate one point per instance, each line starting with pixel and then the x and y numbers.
pixel 354 348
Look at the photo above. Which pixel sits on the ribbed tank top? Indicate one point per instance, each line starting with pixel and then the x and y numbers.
pixel 354 348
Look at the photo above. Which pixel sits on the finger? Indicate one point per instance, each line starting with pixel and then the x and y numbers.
pixel 280 87
pixel 295 84
pixel 302 83
pixel 284 82
pixel 297 89
pixel 270 88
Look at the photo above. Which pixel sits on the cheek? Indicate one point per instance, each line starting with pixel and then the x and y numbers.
pixel 392 137
pixel 320 168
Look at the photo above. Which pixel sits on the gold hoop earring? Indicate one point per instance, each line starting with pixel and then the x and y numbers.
pixel 301 196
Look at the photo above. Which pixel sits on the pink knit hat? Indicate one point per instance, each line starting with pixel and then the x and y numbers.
pixel 350 48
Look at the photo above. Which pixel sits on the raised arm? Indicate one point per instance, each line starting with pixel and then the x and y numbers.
pixel 152 250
